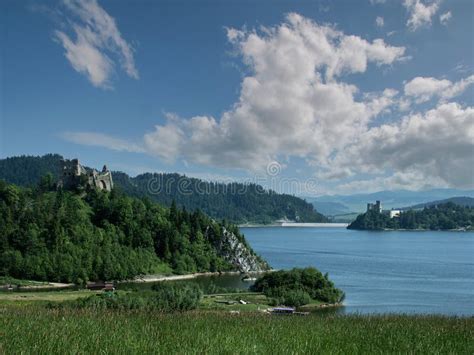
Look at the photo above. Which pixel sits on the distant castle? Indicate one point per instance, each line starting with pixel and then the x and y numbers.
pixel 377 206
pixel 73 173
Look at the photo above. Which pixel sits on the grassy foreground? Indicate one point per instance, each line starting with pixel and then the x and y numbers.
pixel 28 328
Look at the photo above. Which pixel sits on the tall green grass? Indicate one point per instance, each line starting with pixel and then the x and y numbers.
pixel 35 330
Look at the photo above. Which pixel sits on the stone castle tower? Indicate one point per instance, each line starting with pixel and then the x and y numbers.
pixel 73 173
pixel 377 206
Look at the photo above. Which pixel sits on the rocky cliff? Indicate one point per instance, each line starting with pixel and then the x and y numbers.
pixel 239 254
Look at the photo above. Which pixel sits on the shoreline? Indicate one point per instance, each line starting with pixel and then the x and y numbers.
pixel 45 286
pixel 294 224
pixel 310 307
pixel 139 279
pixel 413 230
pixel 159 278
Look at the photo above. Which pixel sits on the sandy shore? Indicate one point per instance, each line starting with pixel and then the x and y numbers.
pixel 144 278
pixel 157 278
pixel 49 285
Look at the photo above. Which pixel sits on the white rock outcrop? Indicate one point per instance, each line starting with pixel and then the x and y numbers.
pixel 239 255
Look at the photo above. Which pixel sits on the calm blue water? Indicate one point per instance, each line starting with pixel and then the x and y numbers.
pixel 403 272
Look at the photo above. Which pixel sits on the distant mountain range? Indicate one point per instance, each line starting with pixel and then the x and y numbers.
pixel 331 205
pixel 461 201
pixel 235 202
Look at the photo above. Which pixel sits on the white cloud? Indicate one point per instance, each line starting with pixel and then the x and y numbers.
pixel 423 89
pixel 445 18
pixel 85 58
pixel 420 12
pixel 379 21
pixel 165 142
pixel 374 2
pixel 461 68
pixel 437 147
pixel 292 103
pixel 96 39
pixel 102 140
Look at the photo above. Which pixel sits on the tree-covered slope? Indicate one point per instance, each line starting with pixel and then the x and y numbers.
pixel 28 170
pixel 458 200
pixel 438 217
pixel 236 202
pixel 56 235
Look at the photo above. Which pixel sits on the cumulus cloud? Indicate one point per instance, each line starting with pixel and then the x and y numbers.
pixel 291 103
pixel 420 12
pixel 102 140
pixel 96 42
pixel 165 141
pixel 445 18
pixel 423 89
pixel 436 147
pixel 379 21
pixel 295 102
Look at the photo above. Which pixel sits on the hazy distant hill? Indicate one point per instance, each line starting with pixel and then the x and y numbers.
pixel 460 201
pixel 234 202
pixel 392 199
pixel 330 208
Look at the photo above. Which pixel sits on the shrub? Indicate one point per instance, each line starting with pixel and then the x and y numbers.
pixel 164 298
pixel 176 296
pixel 212 288
pixel 292 298
pixel 297 286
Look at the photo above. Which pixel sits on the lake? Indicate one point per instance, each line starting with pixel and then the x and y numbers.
pixel 380 272
pixel 390 271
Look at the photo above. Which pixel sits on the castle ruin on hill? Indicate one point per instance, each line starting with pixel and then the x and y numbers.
pixel 377 206
pixel 73 174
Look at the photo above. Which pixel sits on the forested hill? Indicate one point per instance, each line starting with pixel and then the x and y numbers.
pixel 460 201
pixel 439 217
pixel 28 170
pixel 68 236
pixel 236 202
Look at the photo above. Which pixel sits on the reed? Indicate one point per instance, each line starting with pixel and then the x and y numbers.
pixel 36 329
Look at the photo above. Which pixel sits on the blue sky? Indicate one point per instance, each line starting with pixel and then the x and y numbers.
pixel 335 97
